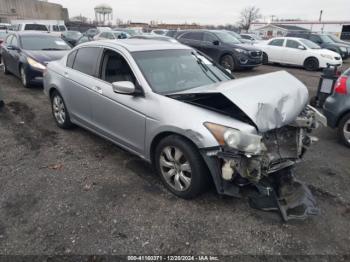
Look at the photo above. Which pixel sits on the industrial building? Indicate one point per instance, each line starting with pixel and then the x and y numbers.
pixel 338 28
pixel 31 9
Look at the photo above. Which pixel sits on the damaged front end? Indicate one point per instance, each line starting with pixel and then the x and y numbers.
pixel 266 161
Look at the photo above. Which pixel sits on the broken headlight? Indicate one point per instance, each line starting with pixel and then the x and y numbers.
pixel 248 143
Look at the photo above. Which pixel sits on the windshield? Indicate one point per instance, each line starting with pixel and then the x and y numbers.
pixel 171 71
pixel 309 44
pixel 43 42
pixel 326 39
pixel 227 38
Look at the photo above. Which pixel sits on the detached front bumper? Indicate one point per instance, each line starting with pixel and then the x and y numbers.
pixel 270 171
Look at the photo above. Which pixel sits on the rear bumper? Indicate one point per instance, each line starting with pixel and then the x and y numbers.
pixel 334 107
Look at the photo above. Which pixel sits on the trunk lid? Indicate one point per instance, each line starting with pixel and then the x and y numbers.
pixel 269 101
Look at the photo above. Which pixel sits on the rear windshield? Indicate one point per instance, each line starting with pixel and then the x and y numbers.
pixel 43 42
pixel 35 27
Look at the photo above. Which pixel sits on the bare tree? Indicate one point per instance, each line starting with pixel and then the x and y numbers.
pixel 247 16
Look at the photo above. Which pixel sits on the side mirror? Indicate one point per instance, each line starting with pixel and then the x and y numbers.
pixel 124 87
pixel 301 47
pixel 216 42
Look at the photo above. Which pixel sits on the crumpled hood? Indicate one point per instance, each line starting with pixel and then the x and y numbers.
pixel 46 56
pixel 270 101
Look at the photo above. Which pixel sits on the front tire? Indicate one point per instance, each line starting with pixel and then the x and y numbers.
pixel 265 59
pixel 4 66
pixel 59 111
pixel 24 77
pixel 344 130
pixel 181 167
pixel 228 62
pixel 311 64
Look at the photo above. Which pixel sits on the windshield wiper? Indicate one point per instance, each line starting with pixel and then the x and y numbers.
pixel 52 49
pixel 205 68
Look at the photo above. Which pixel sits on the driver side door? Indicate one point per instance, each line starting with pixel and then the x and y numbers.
pixel 295 55
pixel 119 117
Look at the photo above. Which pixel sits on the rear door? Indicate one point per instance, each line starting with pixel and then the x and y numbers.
pixel 295 55
pixel 193 39
pixel 13 56
pixel 79 76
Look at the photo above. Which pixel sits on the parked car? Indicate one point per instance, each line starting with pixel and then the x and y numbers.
pixel 130 31
pixel 251 37
pixel 71 37
pixel 29 27
pixel 298 51
pixel 324 41
pixel 3 35
pixel 84 39
pixel 337 108
pixel 112 35
pixel 26 54
pixel 91 32
pixel 171 33
pixel 159 31
pixel 223 48
pixel 155 37
pixel 171 106
pixel 239 37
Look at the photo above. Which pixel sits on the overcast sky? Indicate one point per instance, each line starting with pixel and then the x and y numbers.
pixel 209 11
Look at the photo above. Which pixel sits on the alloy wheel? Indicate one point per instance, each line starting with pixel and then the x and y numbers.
pixel 346 131
pixel 175 168
pixel 59 110
pixel 23 77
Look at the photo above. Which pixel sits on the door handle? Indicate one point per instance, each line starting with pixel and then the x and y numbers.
pixel 98 89
pixel 66 74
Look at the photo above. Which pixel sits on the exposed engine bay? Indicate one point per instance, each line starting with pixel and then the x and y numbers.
pixel 271 170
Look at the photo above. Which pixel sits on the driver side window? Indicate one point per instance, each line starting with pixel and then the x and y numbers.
pixel 209 38
pixel 115 68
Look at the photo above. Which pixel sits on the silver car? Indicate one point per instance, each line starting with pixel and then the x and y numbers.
pixel 174 107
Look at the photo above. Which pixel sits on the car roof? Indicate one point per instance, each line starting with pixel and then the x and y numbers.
pixel 32 33
pixel 134 45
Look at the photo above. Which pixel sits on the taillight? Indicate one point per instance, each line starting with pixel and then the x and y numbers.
pixel 340 86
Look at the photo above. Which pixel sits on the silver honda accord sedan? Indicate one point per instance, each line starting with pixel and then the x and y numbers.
pixel 174 107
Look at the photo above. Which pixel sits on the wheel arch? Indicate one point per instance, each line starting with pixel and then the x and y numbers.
pixel 311 57
pixel 341 116
pixel 156 139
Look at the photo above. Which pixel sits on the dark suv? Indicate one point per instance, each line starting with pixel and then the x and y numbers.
pixel 324 41
pixel 223 48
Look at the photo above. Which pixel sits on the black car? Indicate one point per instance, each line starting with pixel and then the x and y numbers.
pixel 26 54
pixel 324 41
pixel 337 108
pixel 223 48
pixel 71 37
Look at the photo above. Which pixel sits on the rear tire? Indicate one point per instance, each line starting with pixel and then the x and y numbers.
pixel 228 62
pixel 311 64
pixel 181 167
pixel 344 130
pixel 59 111
pixel 265 59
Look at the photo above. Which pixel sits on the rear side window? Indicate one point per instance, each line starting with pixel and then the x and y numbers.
pixel 192 36
pixel 277 42
pixel 71 58
pixel 55 28
pixel 35 27
pixel 86 60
